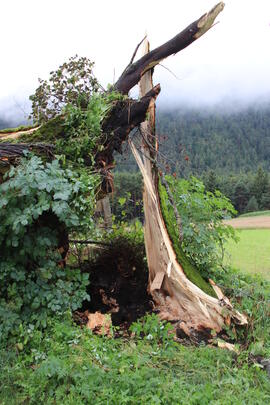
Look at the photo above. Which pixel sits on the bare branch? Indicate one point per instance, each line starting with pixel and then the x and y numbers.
pixel 136 50
pixel 133 73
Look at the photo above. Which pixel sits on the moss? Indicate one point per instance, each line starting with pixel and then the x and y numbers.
pixel 50 131
pixel 47 133
pixel 189 268
pixel 20 128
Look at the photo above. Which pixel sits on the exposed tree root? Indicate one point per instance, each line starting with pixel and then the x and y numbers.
pixel 118 282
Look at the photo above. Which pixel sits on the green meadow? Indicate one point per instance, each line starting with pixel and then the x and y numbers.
pixel 252 253
pixel 255 214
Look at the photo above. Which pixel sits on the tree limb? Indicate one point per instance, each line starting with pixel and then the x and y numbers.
pixel 121 121
pixel 133 73
pixel 136 50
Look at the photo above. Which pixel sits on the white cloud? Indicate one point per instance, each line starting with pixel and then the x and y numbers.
pixel 231 60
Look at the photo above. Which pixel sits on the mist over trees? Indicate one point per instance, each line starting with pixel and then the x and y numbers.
pixel 197 141
pixel 228 150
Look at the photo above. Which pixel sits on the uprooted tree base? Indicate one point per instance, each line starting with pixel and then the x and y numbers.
pixel 119 288
pixel 118 283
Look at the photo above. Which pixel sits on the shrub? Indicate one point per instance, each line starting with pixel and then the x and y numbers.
pixel 72 83
pixel 39 204
pixel 202 213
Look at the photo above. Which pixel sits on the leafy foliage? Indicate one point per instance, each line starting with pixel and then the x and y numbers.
pixel 83 136
pixel 39 204
pixel 249 294
pixel 127 196
pixel 192 273
pixel 72 83
pixel 201 212
pixel 151 328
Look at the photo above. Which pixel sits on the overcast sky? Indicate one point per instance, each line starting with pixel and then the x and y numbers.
pixel 231 62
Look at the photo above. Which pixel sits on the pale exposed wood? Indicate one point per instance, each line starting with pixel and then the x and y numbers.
pixel 178 299
pixel 99 323
pixel 157 282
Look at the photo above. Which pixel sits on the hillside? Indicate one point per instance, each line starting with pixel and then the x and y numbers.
pixel 196 141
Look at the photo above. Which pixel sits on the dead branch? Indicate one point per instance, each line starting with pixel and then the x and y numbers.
pixel 133 73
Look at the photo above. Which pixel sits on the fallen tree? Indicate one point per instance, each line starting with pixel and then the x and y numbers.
pixel 180 293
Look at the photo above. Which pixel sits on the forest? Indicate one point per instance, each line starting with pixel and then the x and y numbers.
pixel 228 152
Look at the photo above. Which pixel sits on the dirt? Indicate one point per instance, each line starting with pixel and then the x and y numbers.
pixel 118 284
pixel 249 222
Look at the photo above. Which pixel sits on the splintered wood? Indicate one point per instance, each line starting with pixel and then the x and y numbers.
pixel 175 296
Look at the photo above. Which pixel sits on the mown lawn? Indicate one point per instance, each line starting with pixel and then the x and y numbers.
pixel 252 253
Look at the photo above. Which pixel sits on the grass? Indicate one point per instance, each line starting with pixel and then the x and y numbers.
pixel 68 365
pixel 252 253
pixel 255 214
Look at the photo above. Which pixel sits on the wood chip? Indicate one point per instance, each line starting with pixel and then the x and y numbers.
pixel 99 323
pixel 157 282
pixel 225 345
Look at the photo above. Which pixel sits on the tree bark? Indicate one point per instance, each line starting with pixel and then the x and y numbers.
pixel 133 72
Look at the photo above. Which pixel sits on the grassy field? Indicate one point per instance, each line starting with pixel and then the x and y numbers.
pixel 255 214
pixel 67 365
pixel 252 253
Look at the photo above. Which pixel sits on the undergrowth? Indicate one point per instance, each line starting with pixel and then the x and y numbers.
pixel 39 204
pixel 70 365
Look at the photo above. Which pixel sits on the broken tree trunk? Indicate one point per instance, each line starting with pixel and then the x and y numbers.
pixel 125 116
pixel 178 290
pixel 177 298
